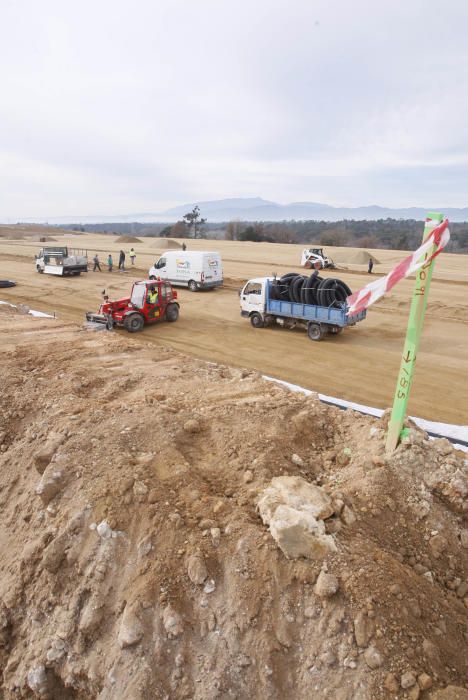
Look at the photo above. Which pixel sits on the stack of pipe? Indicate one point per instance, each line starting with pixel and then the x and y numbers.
pixel 311 290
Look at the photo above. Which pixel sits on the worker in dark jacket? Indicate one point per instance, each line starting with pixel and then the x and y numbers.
pixel 97 265
pixel 122 260
pixel 370 266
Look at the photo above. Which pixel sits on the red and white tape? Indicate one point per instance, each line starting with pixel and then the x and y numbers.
pixel 439 237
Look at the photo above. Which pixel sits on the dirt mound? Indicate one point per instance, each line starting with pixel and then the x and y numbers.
pixel 166 243
pixel 354 256
pixel 127 239
pixel 135 563
pixel 43 239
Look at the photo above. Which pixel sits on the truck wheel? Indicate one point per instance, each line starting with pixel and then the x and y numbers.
pixel 315 331
pixel 257 320
pixel 172 312
pixel 192 285
pixel 134 323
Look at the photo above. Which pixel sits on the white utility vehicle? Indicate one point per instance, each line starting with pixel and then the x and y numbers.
pixel 313 255
pixel 194 269
pixel 61 261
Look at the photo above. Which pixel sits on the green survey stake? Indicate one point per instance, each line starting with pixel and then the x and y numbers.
pixel 413 335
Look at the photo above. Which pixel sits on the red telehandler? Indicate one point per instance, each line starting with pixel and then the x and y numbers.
pixel 141 308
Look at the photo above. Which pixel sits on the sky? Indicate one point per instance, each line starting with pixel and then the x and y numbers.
pixel 118 107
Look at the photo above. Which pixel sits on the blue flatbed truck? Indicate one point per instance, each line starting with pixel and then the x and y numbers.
pixel 256 303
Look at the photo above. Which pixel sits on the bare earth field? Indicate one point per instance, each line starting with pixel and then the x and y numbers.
pixel 360 365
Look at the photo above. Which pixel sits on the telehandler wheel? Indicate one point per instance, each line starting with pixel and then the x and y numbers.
pixel 152 277
pixel 192 285
pixel 256 320
pixel 134 323
pixel 172 312
pixel 315 331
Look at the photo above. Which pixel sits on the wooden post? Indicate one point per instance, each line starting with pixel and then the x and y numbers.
pixel 413 335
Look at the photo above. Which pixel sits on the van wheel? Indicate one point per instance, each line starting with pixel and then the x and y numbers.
pixel 257 320
pixel 315 331
pixel 192 285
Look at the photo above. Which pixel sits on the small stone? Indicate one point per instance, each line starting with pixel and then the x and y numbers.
pixel 328 658
pixel 215 533
pixel 192 426
pixel 464 538
pixel 391 683
pixel 407 680
pixel 414 693
pixel 462 589
pixel 172 622
pixel 424 681
pixel 363 629
pixel 373 657
pixel 298 461
pixel 196 569
pixel 145 546
pixel 209 586
pixel 437 545
pixel 50 485
pixel 347 516
pixel 247 477
pixel 326 585
pixel 104 530
pixel 37 681
pixel 131 630
pixel 140 488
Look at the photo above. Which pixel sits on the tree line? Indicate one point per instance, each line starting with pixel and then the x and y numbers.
pixel 393 234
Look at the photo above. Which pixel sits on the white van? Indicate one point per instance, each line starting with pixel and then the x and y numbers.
pixel 194 269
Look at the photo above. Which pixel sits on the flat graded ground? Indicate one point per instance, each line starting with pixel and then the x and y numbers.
pixel 360 365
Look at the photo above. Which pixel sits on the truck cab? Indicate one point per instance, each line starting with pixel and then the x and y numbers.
pixel 253 296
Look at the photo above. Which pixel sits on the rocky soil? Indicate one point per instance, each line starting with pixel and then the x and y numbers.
pixel 172 528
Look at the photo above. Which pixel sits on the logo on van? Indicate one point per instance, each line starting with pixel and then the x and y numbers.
pixel 182 264
pixel 213 262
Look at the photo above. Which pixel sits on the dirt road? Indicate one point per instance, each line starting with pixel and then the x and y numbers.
pixel 360 365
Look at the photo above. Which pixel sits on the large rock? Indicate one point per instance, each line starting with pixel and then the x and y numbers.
pixel 294 509
pixel 296 492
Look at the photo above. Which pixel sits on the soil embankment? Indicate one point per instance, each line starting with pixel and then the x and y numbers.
pixel 135 564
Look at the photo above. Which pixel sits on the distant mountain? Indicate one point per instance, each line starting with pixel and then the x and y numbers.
pixel 258 209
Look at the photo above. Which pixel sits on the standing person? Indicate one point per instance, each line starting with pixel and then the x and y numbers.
pixel 122 260
pixel 110 262
pixel 184 247
pixel 97 265
pixel 132 255
pixel 370 266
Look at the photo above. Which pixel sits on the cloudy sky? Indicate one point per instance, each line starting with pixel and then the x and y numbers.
pixel 117 107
